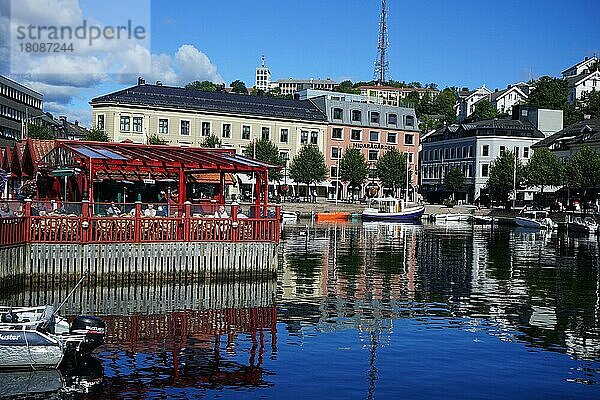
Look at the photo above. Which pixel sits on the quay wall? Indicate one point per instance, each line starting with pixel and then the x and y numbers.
pixel 62 263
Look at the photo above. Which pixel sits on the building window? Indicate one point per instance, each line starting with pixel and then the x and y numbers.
pixel 485 170
pixel 525 152
pixel 246 132
pixel 356 116
pixel 409 139
pixel 391 137
pixel 355 134
pixel 410 120
pixel 124 127
pixel 266 133
pixel 470 151
pixel 284 155
pixel 338 113
pixel 336 152
pixel 502 150
pixel 410 157
pixel 333 172
pixel 206 129
pixel 226 130
pixel 374 136
pixel 137 124
pixel 516 149
pixel 452 153
pixel 283 137
pixel 336 133
pixel 446 154
pixel 374 117
pixel 100 123
pixel 163 126
pixel 392 119
pixel 485 150
pixel 373 155
pixel 314 137
pixel 303 137
pixel 185 127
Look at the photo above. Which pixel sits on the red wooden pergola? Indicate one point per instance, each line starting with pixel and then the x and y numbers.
pixel 90 159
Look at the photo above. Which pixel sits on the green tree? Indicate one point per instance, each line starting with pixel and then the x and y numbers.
pixel 391 170
pixel 583 170
pixel 553 93
pixel 543 169
pixel 308 166
pixel 268 152
pixel 155 139
pixel 346 87
pixel 484 110
pixel 589 104
pixel 353 168
pixel 424 106
pixel 238 86
pixel 444 103
pixel 211 141
pixel 204 85
pixel 454 180
pixel 96 135
pixel 500 181
pixel 39 132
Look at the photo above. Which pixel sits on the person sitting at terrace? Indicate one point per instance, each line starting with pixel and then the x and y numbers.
pixel 221 213
pixel 113 210
pixel 162 211
pixel 5 211
pixel 150 211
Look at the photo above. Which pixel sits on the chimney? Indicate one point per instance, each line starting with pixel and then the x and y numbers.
pixel 158 83
pixel 76 123
pixel 509 86
pixel 495 90
pixel 63 120
pixel 586 58
pixel 141 81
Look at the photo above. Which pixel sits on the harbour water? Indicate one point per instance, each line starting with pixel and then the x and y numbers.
pixel 357 311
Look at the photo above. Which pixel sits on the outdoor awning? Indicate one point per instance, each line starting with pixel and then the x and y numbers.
pixel 214 178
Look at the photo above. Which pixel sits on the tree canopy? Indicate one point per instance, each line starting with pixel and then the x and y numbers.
pixel 353 167
pixel 543 169
pixel 308 166
pixel 211 141
pixel 454 180
pixel 589 104
pixel 484 110
pixel 553 93
pixel 39 132
pixel 583 169
pixel 500 181
pixel 238 86
pixel 268 152
pixel 204 85
pixel 391 169
pixel 96 135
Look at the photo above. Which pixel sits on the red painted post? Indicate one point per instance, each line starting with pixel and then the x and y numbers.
pixel 137 227
pixel 28 220
pixel 187 226
pixel 85 221
pixel 277 223
pixel 234 223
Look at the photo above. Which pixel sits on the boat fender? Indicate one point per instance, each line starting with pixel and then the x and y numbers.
pixel 9 318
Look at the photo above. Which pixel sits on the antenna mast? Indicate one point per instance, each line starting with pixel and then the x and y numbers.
pixel 381 63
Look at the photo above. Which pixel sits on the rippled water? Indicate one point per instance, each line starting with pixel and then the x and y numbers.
pixel 361 311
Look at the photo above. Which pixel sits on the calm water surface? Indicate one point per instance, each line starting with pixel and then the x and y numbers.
pixel 358 311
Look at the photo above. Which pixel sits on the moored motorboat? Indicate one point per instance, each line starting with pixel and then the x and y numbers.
pixel 391 209
pixel 37 338
pixel 483 220
pixel 452 217
pixel 535 220
pixel 331 216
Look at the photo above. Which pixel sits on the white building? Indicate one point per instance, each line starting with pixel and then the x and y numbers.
pixel 291 86
pixel 582 77
pixel 467 100
pixel 263 77
pixel 580 68
pixel 393 96
pixel 505 100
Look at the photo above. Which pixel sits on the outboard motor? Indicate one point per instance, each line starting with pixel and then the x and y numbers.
pixel 93 328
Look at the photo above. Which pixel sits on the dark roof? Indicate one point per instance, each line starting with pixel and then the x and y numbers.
pixel 488 127
pixel 572 80
pixel 191 99
pixel 587 130
pixel 594 58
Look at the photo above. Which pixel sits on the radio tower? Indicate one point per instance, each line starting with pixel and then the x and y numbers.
pixel 381 64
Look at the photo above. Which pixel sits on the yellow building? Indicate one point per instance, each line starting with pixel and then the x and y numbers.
pixel 186 117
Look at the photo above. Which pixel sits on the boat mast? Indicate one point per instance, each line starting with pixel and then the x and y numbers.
pixel 514 177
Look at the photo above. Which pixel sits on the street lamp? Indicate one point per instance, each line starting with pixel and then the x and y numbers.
pixel 286 157
pixel 337 182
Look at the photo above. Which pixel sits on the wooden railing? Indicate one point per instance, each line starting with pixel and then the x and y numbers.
pixel 135 228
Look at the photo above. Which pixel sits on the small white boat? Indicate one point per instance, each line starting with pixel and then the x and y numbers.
pixel 288 217
pixel 452 217
pixel 37 338
pixel 483 220
pixel 535 220
pixel 391 209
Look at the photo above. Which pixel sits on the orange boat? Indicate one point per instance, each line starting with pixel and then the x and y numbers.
pixel 331 216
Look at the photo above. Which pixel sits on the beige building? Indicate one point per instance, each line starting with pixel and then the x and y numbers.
pixel 291 86
pixel 186 117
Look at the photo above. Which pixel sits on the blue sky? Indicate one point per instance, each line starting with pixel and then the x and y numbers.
pixel 458 43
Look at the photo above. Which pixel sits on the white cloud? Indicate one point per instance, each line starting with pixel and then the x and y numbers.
pixel 195 65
